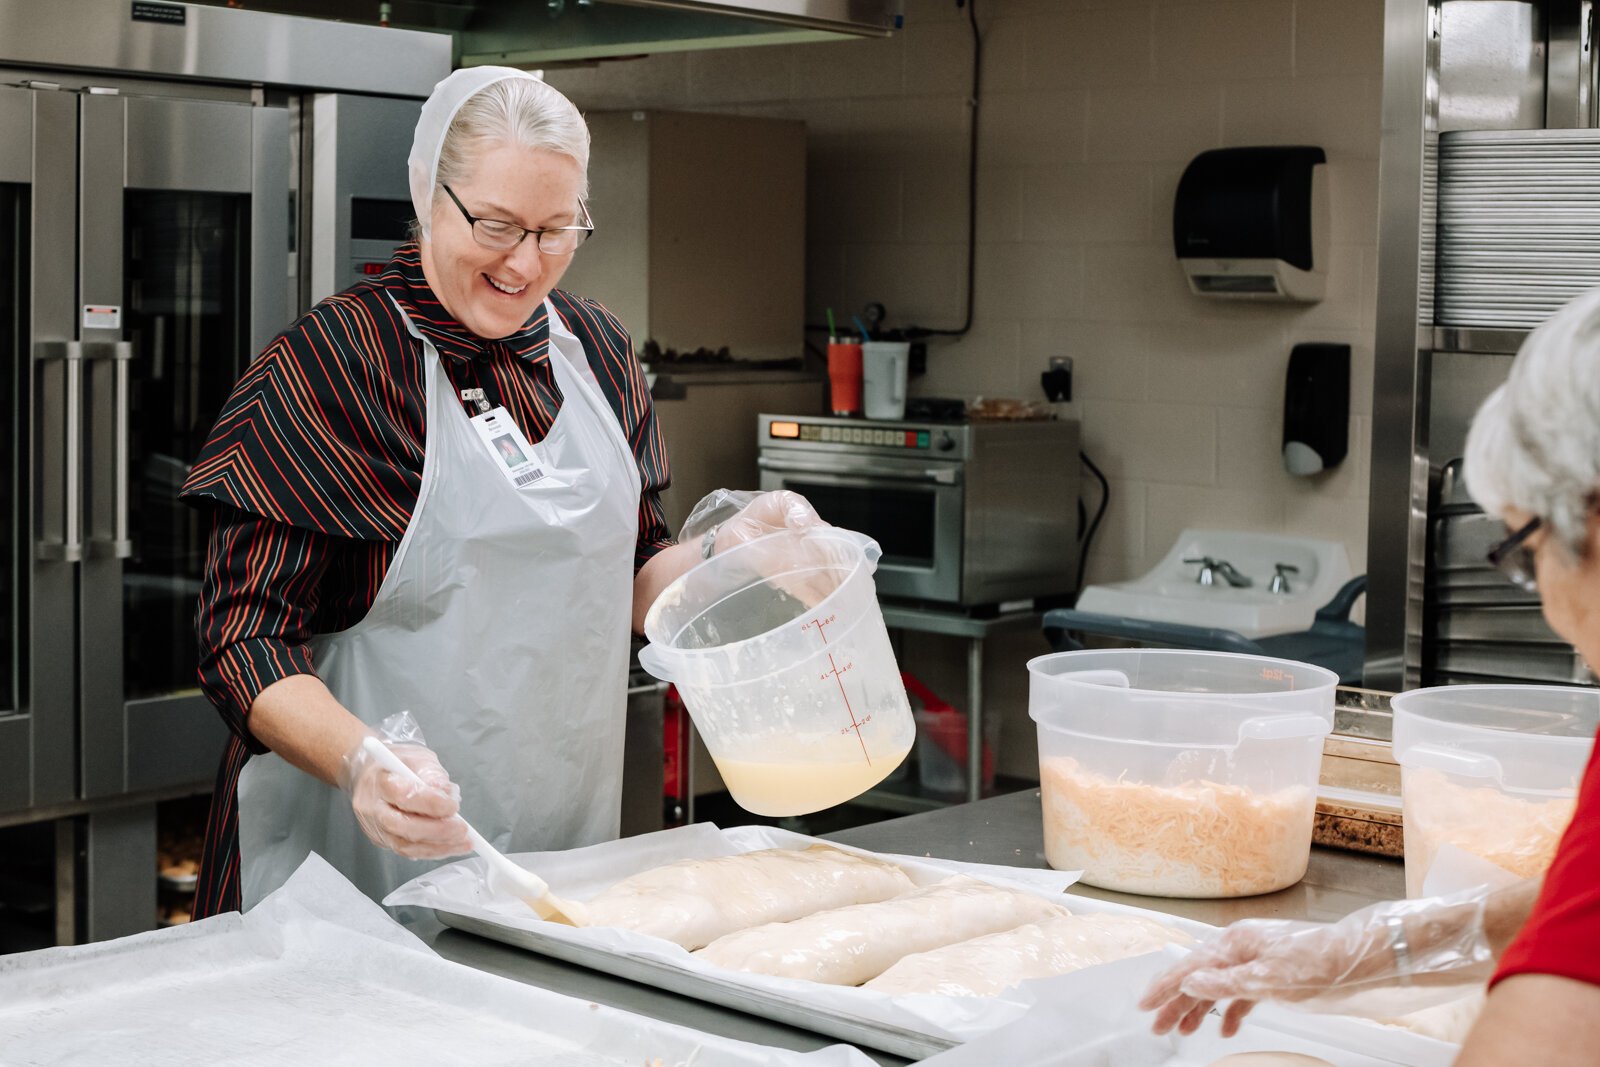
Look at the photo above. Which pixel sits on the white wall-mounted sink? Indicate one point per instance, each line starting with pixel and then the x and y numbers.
pixel 1171 592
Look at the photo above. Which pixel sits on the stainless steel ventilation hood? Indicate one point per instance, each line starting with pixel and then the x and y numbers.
pixel 530 32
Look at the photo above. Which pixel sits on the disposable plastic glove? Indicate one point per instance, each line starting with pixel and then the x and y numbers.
pixel 1438 941
pixel 734 516
pixel 417 822
pixel 727 519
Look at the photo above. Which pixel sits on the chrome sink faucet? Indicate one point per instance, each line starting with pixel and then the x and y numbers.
pixel 1211 569
pixel 1280 578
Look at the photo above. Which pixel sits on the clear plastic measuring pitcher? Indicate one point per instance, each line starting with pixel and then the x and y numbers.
pixel 1177 773
pixel 779 651
pixel 1492 770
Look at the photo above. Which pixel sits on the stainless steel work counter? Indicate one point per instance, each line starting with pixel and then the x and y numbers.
pixel 1006 830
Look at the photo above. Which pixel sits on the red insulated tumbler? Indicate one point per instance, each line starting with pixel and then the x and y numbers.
pixel 844 378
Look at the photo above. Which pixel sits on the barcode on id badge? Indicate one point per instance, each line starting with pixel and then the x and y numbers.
pixel 525 480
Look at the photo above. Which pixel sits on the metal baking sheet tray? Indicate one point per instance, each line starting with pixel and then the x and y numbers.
pixel 727 992
pixel 908 1026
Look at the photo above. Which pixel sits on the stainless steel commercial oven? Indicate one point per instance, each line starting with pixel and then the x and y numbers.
pixel 357 202
pixel 146 172
pixel 149 236
pixel 967 513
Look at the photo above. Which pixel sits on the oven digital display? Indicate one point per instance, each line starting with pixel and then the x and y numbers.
pixel 849 435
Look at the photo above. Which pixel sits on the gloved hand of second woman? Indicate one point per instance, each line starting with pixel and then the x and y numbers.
pixel 1439 942
pixel 418 822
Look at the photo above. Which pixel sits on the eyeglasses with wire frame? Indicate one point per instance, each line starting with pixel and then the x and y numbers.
pixel 1515 559
pixel 504 236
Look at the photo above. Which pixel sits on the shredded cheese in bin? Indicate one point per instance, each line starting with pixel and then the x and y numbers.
pixel 1196 839
pixel 1516 833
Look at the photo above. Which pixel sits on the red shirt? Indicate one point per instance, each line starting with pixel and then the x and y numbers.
pixel 1562 935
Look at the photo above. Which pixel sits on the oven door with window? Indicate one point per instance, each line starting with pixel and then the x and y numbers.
pixel 912 508
pixel 143 245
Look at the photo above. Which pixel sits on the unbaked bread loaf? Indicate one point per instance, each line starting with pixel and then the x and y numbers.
pixel 694 902
pixel 848 946
pixel 986 965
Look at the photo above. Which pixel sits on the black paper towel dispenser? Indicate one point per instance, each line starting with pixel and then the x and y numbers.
pixel 1253 223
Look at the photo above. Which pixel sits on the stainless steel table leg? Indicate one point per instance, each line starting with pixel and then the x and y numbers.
pixel 119 872
pixel 974 718
pixel 66 882
pixel 643 762
pixel 686 731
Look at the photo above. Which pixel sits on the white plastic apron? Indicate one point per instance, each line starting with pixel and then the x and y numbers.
pixel 502 626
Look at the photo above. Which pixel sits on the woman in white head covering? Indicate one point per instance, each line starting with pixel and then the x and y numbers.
pixel 438 494
pixel 1533 459
pixel 519 151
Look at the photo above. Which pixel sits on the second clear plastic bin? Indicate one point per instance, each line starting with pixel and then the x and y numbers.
pixel 1492 770
pixel 1180 774
pixel 780 653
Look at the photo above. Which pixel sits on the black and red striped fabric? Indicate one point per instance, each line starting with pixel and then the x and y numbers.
pixel 313 470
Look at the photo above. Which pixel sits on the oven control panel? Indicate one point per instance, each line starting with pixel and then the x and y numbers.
pixel 917 438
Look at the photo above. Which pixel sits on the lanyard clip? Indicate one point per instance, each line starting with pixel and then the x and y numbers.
pixel 477 397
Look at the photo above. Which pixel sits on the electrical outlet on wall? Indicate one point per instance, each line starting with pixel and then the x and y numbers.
pixel 919 359
pixel 1057 379
pixel 1057 384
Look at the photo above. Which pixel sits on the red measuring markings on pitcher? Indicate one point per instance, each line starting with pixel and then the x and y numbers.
pixel 1277 674
pixel 837 673
pixel 834 671
pixel 821 626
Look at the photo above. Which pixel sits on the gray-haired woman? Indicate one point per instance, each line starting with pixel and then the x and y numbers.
pixel 1533 458
pixel 437 493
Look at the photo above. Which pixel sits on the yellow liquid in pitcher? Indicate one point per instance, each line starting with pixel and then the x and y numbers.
pixel 777 788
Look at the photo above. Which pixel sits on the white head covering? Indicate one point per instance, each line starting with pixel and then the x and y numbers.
pixel 438 112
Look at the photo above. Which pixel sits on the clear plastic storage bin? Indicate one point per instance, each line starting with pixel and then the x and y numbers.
pixel 1180 774
pixel 1492 770
pixel 780 653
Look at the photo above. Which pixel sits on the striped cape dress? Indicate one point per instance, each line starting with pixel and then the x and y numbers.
pixel 309 478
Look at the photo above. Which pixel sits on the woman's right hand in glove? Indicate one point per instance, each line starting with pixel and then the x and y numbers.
pixel 417 822
pixel 1435 941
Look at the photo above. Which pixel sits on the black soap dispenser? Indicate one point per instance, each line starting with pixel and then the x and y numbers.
pixel 1316 408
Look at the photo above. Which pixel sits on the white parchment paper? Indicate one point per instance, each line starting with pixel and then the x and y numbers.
pixel 1455 869
pixel 580 873
pixel 318 974
pixel 1100 1026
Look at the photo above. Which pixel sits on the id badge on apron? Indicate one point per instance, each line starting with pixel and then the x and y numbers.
pixel 513 455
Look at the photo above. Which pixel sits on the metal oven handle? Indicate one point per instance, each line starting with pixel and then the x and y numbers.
pixel 950 475
pixel 69 547
pixel 119 353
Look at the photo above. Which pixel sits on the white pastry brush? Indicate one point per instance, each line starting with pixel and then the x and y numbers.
pixel 505 877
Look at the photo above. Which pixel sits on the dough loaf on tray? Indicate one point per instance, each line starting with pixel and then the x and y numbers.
pixel 694 902
pixel 986 965
pixel 848 946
